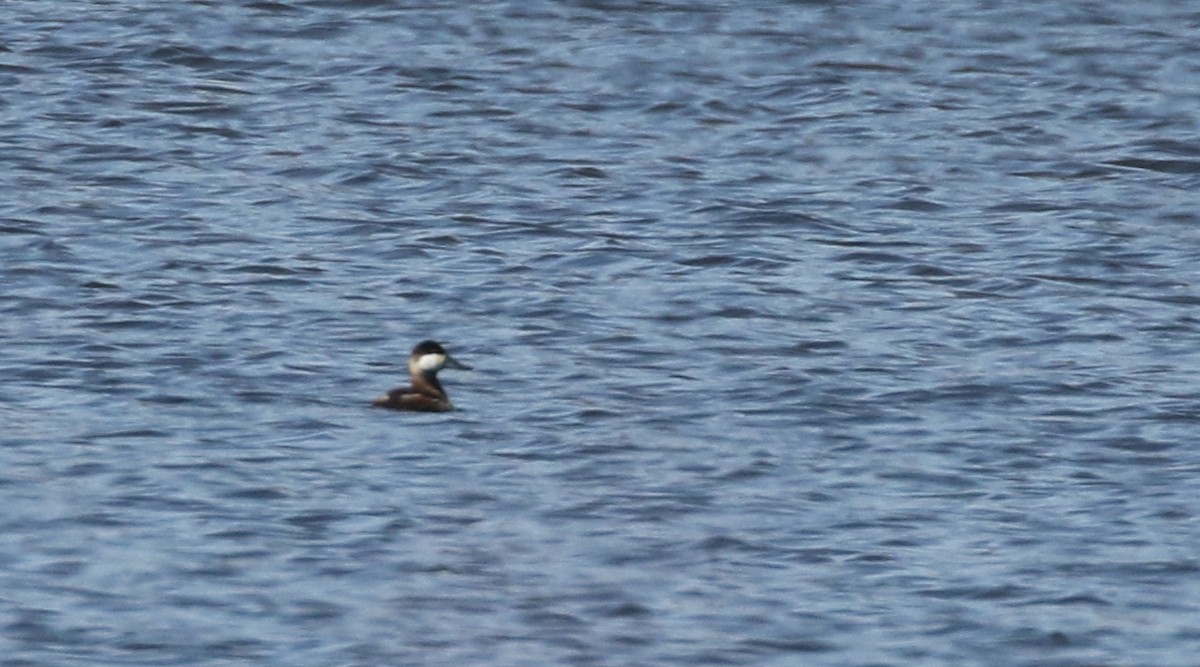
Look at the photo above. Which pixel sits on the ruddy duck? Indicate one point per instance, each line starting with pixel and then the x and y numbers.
pixel 425 394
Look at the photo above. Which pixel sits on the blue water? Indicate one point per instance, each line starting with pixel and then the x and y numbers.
pixel 811 334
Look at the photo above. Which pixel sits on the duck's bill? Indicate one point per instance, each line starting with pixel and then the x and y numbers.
pixel 451 362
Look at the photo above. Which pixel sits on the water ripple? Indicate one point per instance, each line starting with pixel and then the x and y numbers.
pixel 856 334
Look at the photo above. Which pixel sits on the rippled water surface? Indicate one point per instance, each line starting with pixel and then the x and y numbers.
pixel 804 333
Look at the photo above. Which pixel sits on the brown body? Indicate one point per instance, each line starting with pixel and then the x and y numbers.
pixel 425 393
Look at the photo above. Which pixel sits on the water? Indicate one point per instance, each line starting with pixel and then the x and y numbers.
pixel 802 334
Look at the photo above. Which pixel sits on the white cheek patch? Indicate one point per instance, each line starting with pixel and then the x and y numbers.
pixel 431 362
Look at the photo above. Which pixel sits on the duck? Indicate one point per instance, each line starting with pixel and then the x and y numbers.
pixel 425 394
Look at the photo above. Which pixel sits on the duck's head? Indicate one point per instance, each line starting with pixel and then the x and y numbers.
pixel 430 357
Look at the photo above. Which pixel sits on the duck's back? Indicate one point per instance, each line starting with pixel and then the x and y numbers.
pixel 404 398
